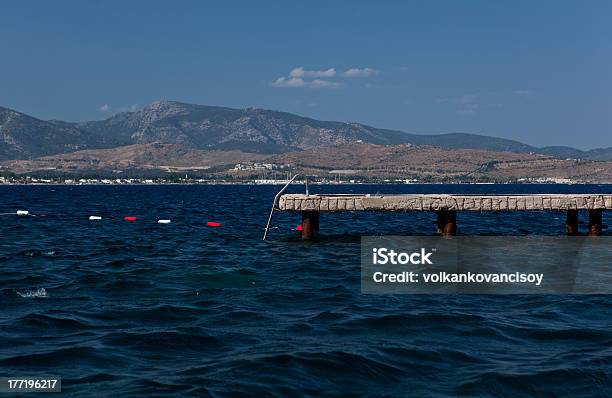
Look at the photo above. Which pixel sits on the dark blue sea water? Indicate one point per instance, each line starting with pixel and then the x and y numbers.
pixel 142 309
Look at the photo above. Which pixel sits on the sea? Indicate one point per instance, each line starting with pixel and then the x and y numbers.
pixel 141 309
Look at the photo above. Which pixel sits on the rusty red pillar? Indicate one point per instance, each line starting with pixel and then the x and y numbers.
pixel 571 222
pixel 310 223
pixel 447 222
pixel 595 222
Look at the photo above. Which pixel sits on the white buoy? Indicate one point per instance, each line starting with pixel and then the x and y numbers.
pixel 92 218
pixel 163 221
pixel 23 213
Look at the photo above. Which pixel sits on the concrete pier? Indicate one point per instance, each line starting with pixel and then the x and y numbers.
pixel 447 206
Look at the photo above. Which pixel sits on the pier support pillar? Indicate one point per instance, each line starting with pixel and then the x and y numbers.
pixel 310 224
pixel 447 222
pixel 571 222
pixel 595 222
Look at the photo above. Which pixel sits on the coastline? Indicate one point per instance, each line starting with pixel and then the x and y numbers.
pixel 283 182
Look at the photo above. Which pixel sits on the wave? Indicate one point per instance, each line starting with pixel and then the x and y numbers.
pixel 32 293
pixel 140 310
pixel 37 253
pixel 66 357
pixel 547 382
pixel 44 321
pixel 193 340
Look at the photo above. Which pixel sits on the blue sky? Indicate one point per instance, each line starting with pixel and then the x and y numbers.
pixel 538 72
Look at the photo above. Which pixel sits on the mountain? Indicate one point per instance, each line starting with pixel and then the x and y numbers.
pixel 251 130
pixel 23 137
pixel 208 127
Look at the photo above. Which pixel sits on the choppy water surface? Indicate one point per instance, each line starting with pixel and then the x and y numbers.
pixel 141 309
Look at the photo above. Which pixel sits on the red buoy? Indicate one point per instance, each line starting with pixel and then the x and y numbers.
pixel 213 224
pixel 298 228
pixel 130 218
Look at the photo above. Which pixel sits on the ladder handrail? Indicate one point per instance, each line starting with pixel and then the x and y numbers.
pixel 276 198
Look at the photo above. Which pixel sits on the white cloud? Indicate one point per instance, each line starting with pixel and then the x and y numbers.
pixel 300 77
pixel 466 99
pixel 106 108
pixel 521 92
pixel 318 83
pixel 301 72
pixel 293 82
pixel 357 72
pixel 288 82
pixel 131 108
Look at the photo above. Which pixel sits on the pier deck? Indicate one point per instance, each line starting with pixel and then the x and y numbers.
pixel 446 206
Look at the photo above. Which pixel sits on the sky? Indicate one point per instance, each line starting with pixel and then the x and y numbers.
pixel 537 72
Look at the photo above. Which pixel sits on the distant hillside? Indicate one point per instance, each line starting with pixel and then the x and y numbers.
pixel 354 160
pixel 217 128
pixel 429 163
pixel 565 152
pixel 24 137
pixel 140 156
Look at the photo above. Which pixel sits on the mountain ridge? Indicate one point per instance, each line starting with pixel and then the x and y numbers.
pixel 221 128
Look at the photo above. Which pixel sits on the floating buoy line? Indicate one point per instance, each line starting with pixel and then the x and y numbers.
pixel 127 218
pixel 23 213
pixel 26 213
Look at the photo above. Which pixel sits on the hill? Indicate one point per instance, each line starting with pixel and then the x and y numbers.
pixel 251 130
pixel 352 160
